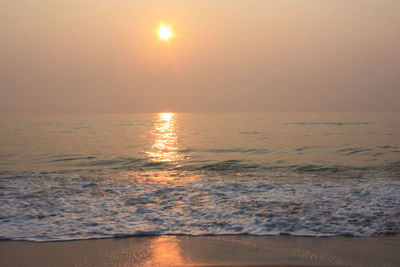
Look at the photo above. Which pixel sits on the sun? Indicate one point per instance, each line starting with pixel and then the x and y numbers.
pixel 164 32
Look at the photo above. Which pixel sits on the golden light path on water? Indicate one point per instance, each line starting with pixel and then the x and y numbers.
pixel 165 147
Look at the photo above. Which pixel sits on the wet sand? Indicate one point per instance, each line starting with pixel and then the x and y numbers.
pixel 206 251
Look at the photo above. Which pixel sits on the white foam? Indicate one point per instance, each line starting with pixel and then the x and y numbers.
pixel 64 207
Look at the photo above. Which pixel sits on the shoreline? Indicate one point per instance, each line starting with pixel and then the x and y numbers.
pixel 227 250
pixel 281 235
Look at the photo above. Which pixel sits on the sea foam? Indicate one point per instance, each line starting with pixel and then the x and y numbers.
pixel 44 207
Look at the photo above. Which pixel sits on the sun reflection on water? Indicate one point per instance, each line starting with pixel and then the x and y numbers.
pixel 165 147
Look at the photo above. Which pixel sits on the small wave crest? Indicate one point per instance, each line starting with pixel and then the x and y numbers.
pixel 311 123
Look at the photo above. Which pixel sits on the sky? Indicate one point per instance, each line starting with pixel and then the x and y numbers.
pixel 100 56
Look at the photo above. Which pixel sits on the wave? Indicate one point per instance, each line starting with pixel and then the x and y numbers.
pixel 392 167
pixel 66 207
pixel 237 150
pixel 62 159
pixel 244 167
pixel 328 123
pixel 229 165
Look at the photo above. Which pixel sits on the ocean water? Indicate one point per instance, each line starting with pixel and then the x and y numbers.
pixel 66 177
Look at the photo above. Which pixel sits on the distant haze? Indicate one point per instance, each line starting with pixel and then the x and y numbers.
pixel 226 56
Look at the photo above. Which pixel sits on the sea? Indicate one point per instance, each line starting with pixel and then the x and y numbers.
pixel 87 176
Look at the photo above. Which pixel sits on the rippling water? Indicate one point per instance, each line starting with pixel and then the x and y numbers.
pixel 90 176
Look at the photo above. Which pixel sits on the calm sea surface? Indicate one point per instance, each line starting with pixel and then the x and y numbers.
pixel 68 177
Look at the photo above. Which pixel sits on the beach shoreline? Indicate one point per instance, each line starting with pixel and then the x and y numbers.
pixel 230 250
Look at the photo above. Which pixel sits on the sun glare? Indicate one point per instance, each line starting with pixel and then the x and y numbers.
pixel 164 32
pixel 166 116
pixel 165 147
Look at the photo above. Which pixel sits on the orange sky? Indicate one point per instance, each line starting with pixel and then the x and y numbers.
pixel 226 55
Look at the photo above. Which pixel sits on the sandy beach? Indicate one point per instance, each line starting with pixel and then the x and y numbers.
pixel 205 251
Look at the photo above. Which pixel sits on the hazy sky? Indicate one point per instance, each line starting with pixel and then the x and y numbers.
pixel 226 55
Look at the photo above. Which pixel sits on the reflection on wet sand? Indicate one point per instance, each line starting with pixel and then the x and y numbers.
pixel 165 144
pixel 165 251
